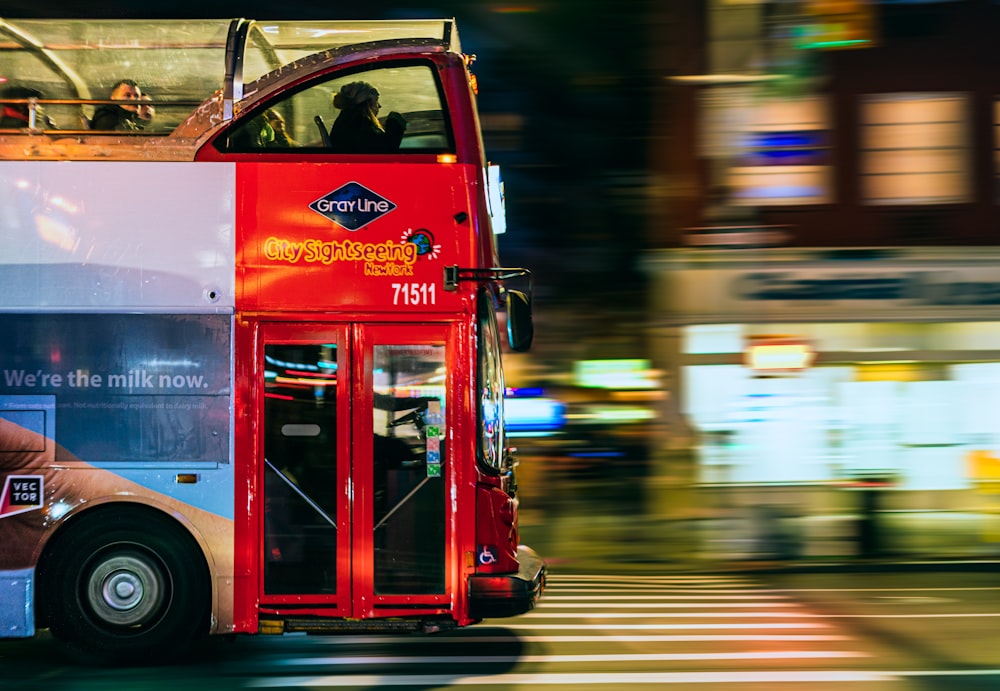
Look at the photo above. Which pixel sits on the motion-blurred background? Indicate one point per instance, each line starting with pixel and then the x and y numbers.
pixel 764 236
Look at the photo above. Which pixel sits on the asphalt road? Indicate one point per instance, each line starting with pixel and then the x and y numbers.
pixel 744 631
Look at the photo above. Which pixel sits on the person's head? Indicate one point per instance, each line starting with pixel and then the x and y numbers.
pixel 126 90
pixel 275 119
pixel 358 95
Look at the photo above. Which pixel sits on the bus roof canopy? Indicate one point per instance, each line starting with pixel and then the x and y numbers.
pixel 183 62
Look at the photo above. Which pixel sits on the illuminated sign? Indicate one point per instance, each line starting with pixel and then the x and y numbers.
pixel 614 374
pixel 833 24
pixel 779 355
pixel 792 148
pixel 983 465
pixel 380 259
pixel 313 251
pixel 597 414
pixel 534 414
pixel 498 205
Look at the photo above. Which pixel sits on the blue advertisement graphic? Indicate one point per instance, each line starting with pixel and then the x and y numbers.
pixel 127 387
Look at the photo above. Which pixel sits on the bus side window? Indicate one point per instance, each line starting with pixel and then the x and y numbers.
pixel 409 89
pixel 413 92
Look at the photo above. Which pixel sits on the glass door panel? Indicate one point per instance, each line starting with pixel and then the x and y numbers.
pixel 301 480
pixel 408 417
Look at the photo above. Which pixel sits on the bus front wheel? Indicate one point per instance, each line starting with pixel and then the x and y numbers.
pixel 125 587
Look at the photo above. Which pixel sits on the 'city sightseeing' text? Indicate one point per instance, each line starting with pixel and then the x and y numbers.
pixel 315 251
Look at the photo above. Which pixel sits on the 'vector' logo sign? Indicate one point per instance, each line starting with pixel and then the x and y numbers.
pixel 352 206
pixel 21 493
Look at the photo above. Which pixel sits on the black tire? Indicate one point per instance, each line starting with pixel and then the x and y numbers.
pixel 125 586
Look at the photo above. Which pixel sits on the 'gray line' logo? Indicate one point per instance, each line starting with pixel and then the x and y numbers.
pixel 352 206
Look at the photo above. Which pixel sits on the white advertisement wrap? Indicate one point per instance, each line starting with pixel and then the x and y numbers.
pixel 93 236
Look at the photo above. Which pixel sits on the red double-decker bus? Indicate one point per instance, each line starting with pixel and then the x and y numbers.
pixel 250 379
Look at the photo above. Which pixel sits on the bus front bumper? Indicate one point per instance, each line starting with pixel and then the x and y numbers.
pixel 507 595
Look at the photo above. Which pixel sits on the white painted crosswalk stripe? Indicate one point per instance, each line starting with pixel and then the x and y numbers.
pixel 640 638
pixel 699 602
pixel 568 659
pixel 666 627
pixel 666 615
pixel 687 595
pixel 611 679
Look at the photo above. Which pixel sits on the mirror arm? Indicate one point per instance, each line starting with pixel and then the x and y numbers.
pixel 453 275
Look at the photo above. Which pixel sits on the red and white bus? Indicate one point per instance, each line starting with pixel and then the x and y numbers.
pixel 250 385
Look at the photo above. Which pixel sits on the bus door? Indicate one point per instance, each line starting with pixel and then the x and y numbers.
pixel 354 468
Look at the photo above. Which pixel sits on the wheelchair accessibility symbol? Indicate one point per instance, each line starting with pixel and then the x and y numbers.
pixel 487 554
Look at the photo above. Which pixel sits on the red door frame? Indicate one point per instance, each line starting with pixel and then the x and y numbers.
pixel 355 588
pixel 285 332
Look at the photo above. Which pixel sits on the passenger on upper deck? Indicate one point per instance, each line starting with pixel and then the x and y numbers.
pixel 256 133
pixel 277 122
pixel 266 131
pixel 357 129
pixel 15 116
pixel 127 117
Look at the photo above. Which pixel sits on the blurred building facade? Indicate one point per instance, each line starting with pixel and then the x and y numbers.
pixel 827 196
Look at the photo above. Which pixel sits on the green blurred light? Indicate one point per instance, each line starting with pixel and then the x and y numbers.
pixel 833 44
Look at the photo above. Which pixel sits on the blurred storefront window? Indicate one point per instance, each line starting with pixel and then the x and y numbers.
pixel 915 148
pixel 784 154
pixel 905 380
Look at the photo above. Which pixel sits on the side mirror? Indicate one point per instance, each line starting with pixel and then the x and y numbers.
pixel 520 328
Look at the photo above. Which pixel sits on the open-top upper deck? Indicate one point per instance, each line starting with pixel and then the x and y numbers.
pixel 196 73
pixel 203 207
